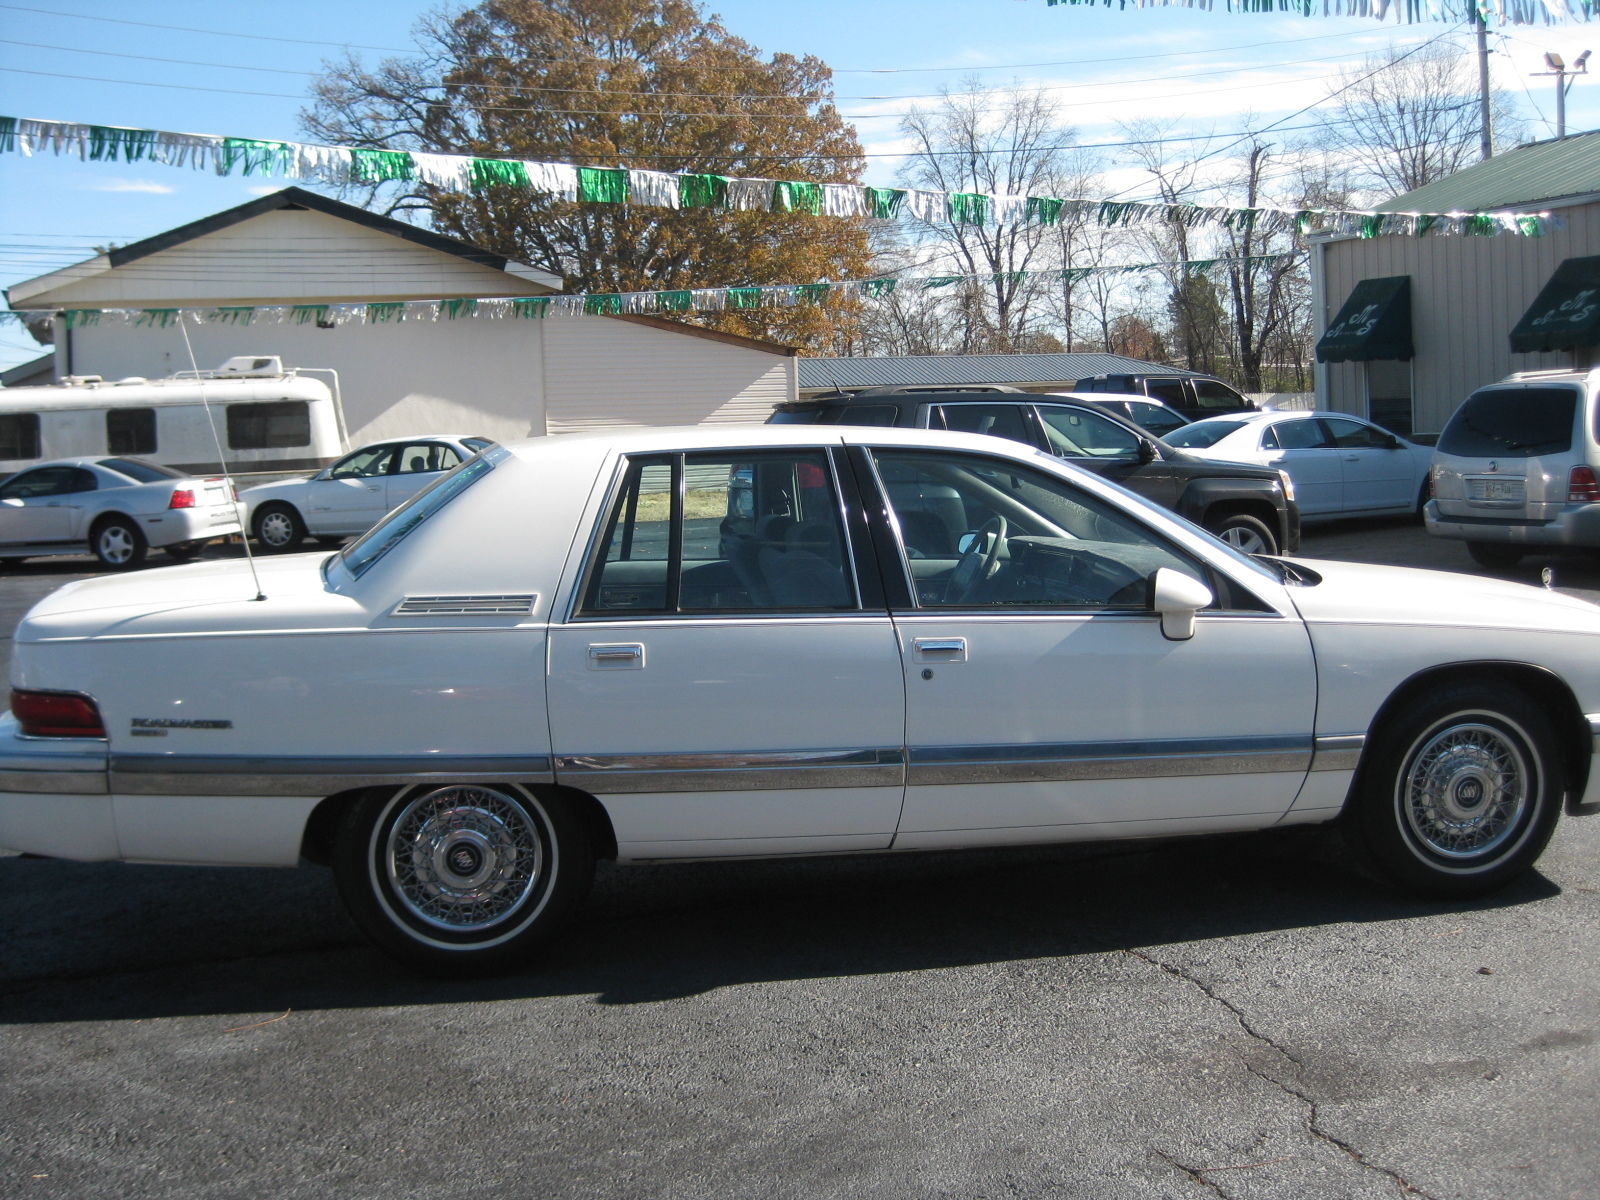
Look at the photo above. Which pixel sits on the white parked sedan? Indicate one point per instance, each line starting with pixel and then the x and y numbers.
pixel 1342 466
pixel 348 497
pixel 113 508
pixel 779 640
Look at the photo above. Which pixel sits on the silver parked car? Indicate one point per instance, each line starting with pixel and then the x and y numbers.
pixel 348 497
pixel 1515 467
pixel 113 508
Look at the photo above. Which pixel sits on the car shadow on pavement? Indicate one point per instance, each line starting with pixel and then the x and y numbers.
pixel 112 942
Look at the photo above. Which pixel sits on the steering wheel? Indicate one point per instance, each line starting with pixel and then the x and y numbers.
pixel 979 561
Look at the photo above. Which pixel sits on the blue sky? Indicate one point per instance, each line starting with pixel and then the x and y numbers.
pixel 242 68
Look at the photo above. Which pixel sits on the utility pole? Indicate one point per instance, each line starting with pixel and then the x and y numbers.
pixel 1485 126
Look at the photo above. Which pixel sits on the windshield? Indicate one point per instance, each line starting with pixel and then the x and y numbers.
pixel 1201 434
pixel 388 533
pixel 1513 422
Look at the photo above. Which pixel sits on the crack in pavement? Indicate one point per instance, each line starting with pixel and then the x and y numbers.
pixel 1313 1110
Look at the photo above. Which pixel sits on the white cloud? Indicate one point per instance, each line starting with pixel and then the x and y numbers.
pixel 133 185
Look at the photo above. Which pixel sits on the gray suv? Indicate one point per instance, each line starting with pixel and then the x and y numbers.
pixel 1515 467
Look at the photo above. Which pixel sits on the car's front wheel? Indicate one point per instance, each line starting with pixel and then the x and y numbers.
pixel 1246 533
pixel 462 878
pixel 1460 792
pixel 278 528
pixel 117 543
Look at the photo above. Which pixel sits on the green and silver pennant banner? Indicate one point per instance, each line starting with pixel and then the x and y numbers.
pixel 666 303
pixel 1448 12
pixel 628 186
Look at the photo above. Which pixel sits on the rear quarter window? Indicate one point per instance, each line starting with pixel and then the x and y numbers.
pixel 1516 422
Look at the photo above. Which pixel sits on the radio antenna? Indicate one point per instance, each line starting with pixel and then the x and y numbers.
pixel 222 458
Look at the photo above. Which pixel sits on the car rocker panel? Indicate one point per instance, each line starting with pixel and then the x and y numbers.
pixel 775 642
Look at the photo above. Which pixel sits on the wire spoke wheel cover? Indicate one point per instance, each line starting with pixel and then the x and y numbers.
pixel 1466 789
pixel 462 877
pixel 463 858
pixel 1460 791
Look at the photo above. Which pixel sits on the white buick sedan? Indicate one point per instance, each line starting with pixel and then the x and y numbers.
pixel 770 641
pixel 347 497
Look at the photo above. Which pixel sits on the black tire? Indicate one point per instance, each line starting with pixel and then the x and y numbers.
pixel 183 551
pixel 1246 533
pixel 278 528
pixel 462 879
pixel 1460 793
pixel 1494 555
pixel 117 543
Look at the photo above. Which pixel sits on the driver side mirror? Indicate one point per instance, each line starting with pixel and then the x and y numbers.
pixel 1147 451
pixel 1177 597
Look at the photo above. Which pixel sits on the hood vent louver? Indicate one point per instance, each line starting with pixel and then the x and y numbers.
pixel 507 605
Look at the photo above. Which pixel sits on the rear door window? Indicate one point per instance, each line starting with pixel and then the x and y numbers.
pixel 996 420
pixel 1515 422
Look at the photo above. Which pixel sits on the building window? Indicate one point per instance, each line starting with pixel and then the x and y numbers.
pixel 19 435
pixel 131 431
pixel 270 426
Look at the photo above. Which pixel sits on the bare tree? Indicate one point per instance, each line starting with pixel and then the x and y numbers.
pixel 1408 117
pixel 992 143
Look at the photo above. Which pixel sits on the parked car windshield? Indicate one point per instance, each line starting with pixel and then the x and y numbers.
pixel 1514 422
pixel 1201 434
pixel 137 468
pixel 388 533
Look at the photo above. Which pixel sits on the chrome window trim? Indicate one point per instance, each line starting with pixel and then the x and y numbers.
pixel 1077 761
pixel 239 775
pixel 771 770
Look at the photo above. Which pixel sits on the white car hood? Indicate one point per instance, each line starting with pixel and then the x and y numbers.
pixel 199 597
pixel 1360 593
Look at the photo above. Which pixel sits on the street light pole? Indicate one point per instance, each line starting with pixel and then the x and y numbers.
pixel 1558 68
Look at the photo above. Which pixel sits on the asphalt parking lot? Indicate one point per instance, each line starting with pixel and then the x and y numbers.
pixel 1239 1017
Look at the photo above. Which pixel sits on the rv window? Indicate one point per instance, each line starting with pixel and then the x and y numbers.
pixel 19 435
pixel 269 426
pixel 131 431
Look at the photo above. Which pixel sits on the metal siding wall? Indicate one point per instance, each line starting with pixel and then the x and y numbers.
pixel 1466 294
pixel 604 374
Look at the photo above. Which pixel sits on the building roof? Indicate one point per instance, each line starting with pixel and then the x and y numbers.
pixel 20 295
pixel 1529 177
pixel 959 369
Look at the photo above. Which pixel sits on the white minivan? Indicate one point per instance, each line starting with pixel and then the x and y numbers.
pixel 1515 468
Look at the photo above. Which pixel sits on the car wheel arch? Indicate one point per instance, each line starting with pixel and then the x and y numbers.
pixel 322 825
pixel 1540 684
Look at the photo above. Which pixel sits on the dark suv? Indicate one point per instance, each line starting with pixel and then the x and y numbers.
pixel 1250 507
pixel 1194 396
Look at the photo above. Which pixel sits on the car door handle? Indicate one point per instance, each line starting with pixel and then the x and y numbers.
pixel 955 648
pixel 615 656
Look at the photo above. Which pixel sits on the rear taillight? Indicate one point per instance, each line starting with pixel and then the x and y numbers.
pixel 1582 487
pixel 181 498
pixel 56 714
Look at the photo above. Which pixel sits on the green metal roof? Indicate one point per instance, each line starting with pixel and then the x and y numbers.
pixel 1524 178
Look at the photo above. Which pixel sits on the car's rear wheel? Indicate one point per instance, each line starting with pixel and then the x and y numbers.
pixel 1461 792
pixel 1246 533
pixel 117 543
pixel 278 528
pixel 462 878
pixel 1494 554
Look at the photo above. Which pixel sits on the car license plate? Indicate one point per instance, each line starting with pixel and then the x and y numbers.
pixel 1500 488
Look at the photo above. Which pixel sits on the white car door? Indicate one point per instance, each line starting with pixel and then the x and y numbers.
pixel 728 681
pixel 353 495
pixel 1042 698
pixel 1378 473
pixel 44 505
pixel 1303 448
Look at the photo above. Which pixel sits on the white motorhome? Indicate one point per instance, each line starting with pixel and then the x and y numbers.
pixel 262 416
